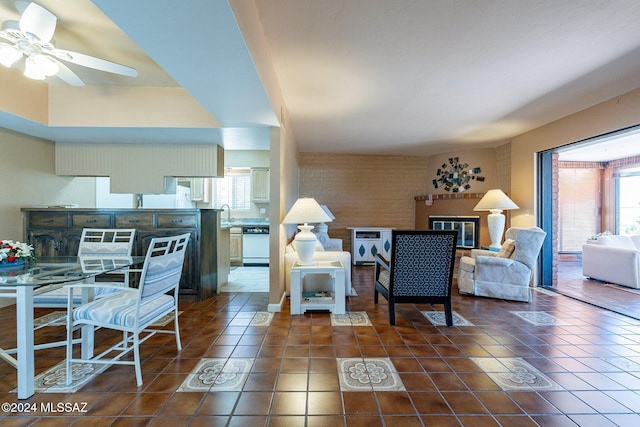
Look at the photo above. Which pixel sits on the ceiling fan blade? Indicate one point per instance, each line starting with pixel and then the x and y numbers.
pixel 93 62
pixel 38 21
pixel 66 75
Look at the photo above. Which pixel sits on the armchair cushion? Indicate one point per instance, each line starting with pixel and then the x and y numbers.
pixel 507 249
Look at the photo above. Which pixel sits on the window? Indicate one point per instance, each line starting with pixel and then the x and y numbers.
pixel 233 190
pixel 579 207
pixel 628 201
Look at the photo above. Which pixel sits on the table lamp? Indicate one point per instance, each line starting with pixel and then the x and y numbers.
pixel 304 211
pixel 322 227
pixel 495 201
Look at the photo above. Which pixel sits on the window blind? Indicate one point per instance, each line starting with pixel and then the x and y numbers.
pixel 234 189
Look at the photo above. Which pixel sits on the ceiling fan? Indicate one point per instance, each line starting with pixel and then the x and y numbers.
pixel 30 38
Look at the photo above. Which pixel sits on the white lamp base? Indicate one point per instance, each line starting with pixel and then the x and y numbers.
pixel 305 244
pixel 495 221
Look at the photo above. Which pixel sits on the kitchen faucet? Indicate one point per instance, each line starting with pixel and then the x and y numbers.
pixel 228 211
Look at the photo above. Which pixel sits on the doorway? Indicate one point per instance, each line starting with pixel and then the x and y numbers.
pixel 585 189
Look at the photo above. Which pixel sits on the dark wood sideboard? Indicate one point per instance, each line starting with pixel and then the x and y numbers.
pixel 57 231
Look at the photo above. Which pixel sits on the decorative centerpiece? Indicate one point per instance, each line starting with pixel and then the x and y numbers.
pixel 15 254
pixel 456 176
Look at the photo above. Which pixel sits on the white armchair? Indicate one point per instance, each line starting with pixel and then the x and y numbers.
pixel 505 274
pixel 320 254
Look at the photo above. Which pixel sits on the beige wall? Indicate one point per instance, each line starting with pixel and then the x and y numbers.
pixel 247 159
pixel 284 193
pixel 618 113
pixel 28 179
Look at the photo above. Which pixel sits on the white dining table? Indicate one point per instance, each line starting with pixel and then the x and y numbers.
pixel 48 273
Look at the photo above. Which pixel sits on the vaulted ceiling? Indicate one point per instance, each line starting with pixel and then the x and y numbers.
pixel 413 77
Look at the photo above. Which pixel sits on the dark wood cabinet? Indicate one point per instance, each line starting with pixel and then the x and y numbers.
pixel 56 232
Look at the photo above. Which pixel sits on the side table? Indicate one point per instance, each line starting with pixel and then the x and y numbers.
pixel 331 297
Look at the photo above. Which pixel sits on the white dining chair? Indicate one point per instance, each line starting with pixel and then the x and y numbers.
pixel 98 242
pixel 132 310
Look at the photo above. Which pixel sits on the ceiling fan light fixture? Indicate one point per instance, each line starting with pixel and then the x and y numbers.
pixel 47 65
pixel 32 70
pixel 9 55
pixel 31 38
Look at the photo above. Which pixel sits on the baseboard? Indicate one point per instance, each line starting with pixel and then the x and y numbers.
pixel 276 308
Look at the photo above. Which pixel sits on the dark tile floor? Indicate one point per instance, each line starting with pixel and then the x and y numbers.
pixel 552 362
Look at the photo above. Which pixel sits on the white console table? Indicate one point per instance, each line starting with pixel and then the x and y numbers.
pixel 308 296
pixel 366 242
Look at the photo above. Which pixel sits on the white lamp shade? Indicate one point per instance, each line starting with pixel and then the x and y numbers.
pixel 306 210
pixel 328 212
pixel 495 200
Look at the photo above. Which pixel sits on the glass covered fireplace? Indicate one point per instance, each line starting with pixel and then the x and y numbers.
pixel 468 228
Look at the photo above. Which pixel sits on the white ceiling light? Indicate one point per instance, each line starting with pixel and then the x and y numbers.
pixel 30 38
pixel 39 67
pixel 9 55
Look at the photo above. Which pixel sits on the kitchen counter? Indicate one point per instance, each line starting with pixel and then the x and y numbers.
pixel 240 222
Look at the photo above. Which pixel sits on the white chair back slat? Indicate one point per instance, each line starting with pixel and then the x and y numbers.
pixel 163 265
pixel 106 242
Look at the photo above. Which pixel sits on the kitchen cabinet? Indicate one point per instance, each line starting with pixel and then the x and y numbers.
pixel 56 232
pixel 260 185
pixel 224 267
pixel 366 242
pixel 235 246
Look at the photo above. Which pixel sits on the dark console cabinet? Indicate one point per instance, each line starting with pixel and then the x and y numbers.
pixel 56 232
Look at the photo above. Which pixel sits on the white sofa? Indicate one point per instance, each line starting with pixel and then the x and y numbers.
pixel 337 254
pixel 613 259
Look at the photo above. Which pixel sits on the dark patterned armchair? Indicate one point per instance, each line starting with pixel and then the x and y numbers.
pixel 420 270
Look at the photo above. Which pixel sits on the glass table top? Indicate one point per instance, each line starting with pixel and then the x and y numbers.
pixel 56 270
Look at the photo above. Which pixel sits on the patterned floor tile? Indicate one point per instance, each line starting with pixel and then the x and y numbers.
pixel 437 318
pixel 217 375
pixel 55 318
pixel 352 318
pixel 377 374
pixel 54 379
pixel 539 318
pixel 252 318
pixel 165 320
pixel 546 292
pixel 513 373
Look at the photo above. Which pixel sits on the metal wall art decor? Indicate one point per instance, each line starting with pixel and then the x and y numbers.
pixel 456 176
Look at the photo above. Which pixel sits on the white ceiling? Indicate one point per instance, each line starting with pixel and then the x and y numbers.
pixel 412 77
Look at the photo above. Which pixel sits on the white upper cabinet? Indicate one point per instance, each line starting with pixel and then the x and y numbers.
pixel 260 185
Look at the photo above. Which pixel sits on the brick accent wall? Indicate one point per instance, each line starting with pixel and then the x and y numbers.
pixel 364 190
